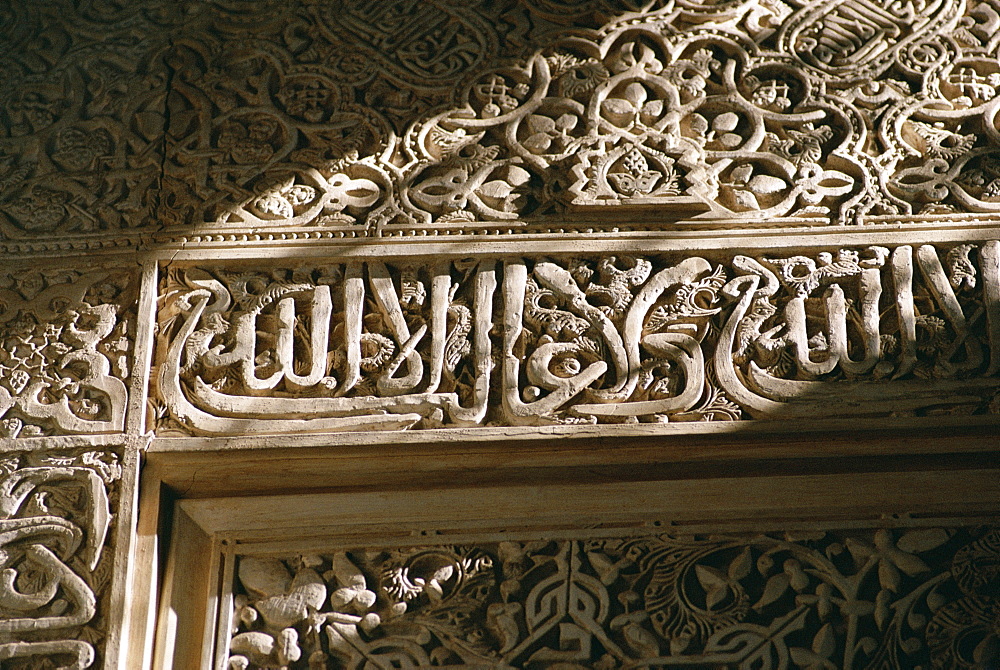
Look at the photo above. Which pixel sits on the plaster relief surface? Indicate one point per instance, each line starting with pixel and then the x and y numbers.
pixel 375 216
pixel 58 513
pixel 81 117
pixel 872 331
pixel 921 598
pixel 311 129
pixel 360 119
pixel 67 340
pixel 736 114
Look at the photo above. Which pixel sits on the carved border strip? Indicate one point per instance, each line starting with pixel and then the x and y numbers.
pixel 67 518
pixel 367 345
pixel 894 598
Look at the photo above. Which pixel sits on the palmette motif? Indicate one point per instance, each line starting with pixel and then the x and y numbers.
pixel 612 339
pixel 858 599
pixel 55 562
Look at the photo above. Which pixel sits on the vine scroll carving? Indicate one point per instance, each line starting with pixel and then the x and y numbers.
pixel 736 114
pixel 885 599
pixel 364 119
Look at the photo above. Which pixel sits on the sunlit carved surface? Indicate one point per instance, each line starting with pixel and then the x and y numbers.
pixel 55 556
pixel 873 331
pixel 376 118
pixel 878 599
pixel 544 217
pixel 67 343
pixel 743 112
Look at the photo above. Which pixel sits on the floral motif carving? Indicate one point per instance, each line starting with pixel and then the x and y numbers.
pixel 55 562
pixel 722 116
pixel 334 87
pixel 67 345
pixel 81 118
pixel 371 117
pixel 611 339
pixel 924 597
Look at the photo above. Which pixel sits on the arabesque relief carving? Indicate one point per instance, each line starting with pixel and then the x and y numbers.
pixel 317 134
pixel 807 194
pixel 372 345
pixel 67 344
pixel 378 118
pixel 55 558
pixel 745 113
pixel 901 599
pixel 81 117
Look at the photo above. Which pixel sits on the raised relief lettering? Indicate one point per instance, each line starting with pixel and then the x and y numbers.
pixel 55 519
pixel 364 346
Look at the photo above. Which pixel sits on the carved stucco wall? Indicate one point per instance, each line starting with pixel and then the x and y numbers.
pixel 227 219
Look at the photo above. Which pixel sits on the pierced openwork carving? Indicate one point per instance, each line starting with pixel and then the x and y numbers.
pixel 67 344
pixel 877 599
pixel 55 557
pixel 362 346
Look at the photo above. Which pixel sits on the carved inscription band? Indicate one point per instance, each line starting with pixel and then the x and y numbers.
pixel 872 331
pixel 55 557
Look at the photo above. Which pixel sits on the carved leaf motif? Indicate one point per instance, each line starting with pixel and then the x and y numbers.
pixel 265 577
pixel 618 108
pixel 882 612
pixel 763 184
pixel 641 640
pixel 775 588
pixel 740 567
pixel 745 199
pixel 888 576
pixel 715 583
pixel 539 123
pixel 566 122
pixel 699 124
pixel 921 540
pixel 825 642
pixel 538 143
pixel 496 189
pixel 741 174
